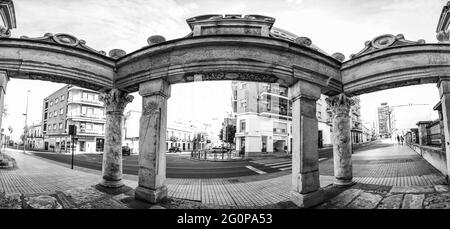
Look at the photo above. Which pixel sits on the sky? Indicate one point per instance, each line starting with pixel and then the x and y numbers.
pixel 334 26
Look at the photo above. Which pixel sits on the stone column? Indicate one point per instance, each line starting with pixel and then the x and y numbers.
pixel 342 138
pixel 152 141
pixel 306 190
pixel 3 83
pixel 444 93
pixel 115 102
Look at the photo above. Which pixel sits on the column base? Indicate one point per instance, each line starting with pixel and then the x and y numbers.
pixel 309 199
pixel 111 184
pixel 343 183
pixel 151 195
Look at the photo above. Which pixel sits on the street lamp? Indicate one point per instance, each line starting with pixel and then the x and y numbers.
pixel 25 128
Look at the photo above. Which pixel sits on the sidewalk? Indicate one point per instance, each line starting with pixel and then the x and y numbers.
pixel 36 175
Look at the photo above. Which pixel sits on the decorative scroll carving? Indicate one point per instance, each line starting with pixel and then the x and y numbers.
pixel 64 39
pixel 241 76
pixel 4 32
pixel 385 41
pixel 115 100
pixel 340 104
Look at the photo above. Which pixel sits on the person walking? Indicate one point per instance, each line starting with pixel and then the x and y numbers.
pixel 402 139
pixel 398 139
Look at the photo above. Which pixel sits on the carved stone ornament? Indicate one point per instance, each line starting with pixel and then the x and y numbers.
pixel 241 76
pixel 385 41
pixel 150 108
pixel 64 39
pixel 4 32
pixel 340 104
pixel 115 100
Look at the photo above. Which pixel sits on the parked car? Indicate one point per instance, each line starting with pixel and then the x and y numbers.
pixel 126 150
pixel 174 149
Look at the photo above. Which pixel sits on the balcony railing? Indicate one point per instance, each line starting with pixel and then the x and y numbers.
pixel 87 116
pixel 85 131
pixel 85 101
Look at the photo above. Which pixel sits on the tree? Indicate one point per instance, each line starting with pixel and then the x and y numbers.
pixel 229 134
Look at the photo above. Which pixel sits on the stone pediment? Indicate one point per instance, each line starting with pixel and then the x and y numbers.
pixel 64 39
pixel 383 42
pixel 213 24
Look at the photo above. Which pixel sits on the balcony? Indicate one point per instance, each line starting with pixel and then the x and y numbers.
pixel 85 101
pixel 90 132
pixel 87 117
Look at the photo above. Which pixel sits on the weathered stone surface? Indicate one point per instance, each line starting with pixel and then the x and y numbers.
pixel 343 199
pixel 391 202
pixel 437 201
pixel 414 189
pixel 12 201
pixel 307 200
pixel 43 202
pixel 152 141
pixel 108 203
pixel 115 102
pixel 341 135
pixel 413 201
pixel 156 207
pixel 365 200
pixel 441 188
pixel 120 197
pixel 83 195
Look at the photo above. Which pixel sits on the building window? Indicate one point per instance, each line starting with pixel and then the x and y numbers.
pixel 82 146
pixel 243 85
pixel 56 101
pixel 49 127
pixel 244 103
pixel 242 125
pixel 51 103
pixel 60 126
pixel 50 114
pixel 62 97
pixel 54 126
pixel 61 111
pixel 55 114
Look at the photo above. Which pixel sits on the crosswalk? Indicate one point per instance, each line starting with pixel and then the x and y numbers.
pixel 282 165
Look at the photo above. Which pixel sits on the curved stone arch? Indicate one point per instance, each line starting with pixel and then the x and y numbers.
pixel 34 59
pixel 396 67
pixel 229 57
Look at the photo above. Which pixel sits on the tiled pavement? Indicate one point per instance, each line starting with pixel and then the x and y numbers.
pixel 36 175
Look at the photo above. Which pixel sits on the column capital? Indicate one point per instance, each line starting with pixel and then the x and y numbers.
pixel 3 80
pixel 155 87
pixel 303 89
pixel 340 104
pixel 115 100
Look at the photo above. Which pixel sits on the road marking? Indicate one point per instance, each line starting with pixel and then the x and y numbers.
pixel 255 169
pixel 281 166
pixel 283 169
pixel 278 163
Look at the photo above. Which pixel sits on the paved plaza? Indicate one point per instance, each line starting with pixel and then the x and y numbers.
pixel 388 171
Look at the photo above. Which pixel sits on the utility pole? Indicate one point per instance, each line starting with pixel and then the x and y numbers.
pixel 25 128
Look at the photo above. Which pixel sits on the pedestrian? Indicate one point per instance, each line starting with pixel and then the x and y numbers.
pixel 398 139
pixel 402 139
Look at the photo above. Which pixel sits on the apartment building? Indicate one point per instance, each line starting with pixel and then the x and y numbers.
pixel 35 138
pixel 263 114
pixel 77 106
